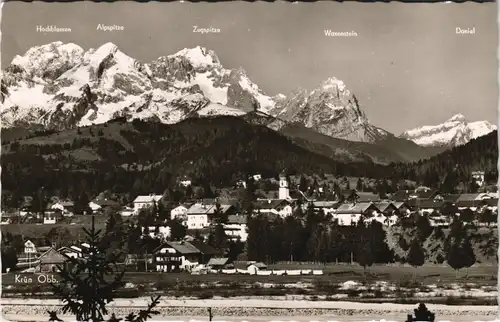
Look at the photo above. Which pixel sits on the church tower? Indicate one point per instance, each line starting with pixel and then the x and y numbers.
pixel 284 191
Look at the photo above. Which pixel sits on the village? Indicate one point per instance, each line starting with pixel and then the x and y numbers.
pixel 190 254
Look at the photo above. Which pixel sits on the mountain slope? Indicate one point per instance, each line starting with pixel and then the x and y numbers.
pixel 453 132
pixel 385 149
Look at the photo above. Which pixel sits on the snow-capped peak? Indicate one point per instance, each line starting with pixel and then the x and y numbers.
pixel 333 83
pixel 49 57
pixel 453 132
pixel 199 56
pixel 457 118
pixel 330 109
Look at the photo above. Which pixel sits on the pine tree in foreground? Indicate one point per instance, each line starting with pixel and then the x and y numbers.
pixel 88 284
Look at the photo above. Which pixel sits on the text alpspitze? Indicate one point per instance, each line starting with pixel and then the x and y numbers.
pixel 110 27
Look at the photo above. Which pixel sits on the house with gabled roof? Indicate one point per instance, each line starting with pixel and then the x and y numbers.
pixel 385 207
pixel 402 208
pixel 99 205
pixel 180 212
pixel 236 227
pixel 327 207
pixel 180 255
pixel 428 206
pixel 350 213
pixel 50 261
pixel 145 201
pixel 218 263
pixel 280 207
pixel 72 251
pixel 199 215
pixel 469 200
pixel 423 193
pixel 448 198
pixel 400 195
pixel 66 207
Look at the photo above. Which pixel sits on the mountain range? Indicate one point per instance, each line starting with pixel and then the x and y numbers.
pixel 60 86
pixel 453 132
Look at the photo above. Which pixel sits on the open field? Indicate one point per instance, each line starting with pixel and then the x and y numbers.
pixel 383 283
pixel 427 274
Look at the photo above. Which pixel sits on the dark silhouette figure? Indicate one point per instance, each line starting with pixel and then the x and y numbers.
pixel 421 314
pixel 53 316
pixel 210 315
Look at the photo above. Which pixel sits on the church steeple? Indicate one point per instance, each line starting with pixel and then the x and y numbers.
pixel 284 190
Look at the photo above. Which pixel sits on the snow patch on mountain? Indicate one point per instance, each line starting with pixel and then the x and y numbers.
pixel 199 56
pixel 453 132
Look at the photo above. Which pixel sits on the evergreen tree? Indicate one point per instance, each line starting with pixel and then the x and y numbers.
pixel 459 251
pixel 177 229
pixel 85 287
pixel 364 255
pixel 303 184
pixel 424 228
pixel 416 256
pixel 8 257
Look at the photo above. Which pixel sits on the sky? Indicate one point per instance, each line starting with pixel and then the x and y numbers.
pixel 407 66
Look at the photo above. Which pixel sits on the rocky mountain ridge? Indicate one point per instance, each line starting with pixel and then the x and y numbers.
pixel 61 86
pixel 453 132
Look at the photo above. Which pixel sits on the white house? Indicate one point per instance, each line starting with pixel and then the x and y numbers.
pixel 328 207
pixel 171 255
pixel 49 217
pixel 279 207
pixel 142 202
pixel 65 207
pixel 29 247
pixel 236 227
pixel 179 212
pixel 185 182
pixel 197 216
pixel 478 177
pixel 347 219
pixel 72 251
pixel 254 268
pixel 127 211
pixel 94 206
pixel 158 231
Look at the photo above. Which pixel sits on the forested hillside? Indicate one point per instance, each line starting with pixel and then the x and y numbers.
pixel 141 157
pixel 453 167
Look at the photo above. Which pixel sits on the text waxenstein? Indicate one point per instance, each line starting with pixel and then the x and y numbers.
pixel 330 33
pixel 51 29
pixel 205 30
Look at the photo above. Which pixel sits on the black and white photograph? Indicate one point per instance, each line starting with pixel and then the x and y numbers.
pixel 250 162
